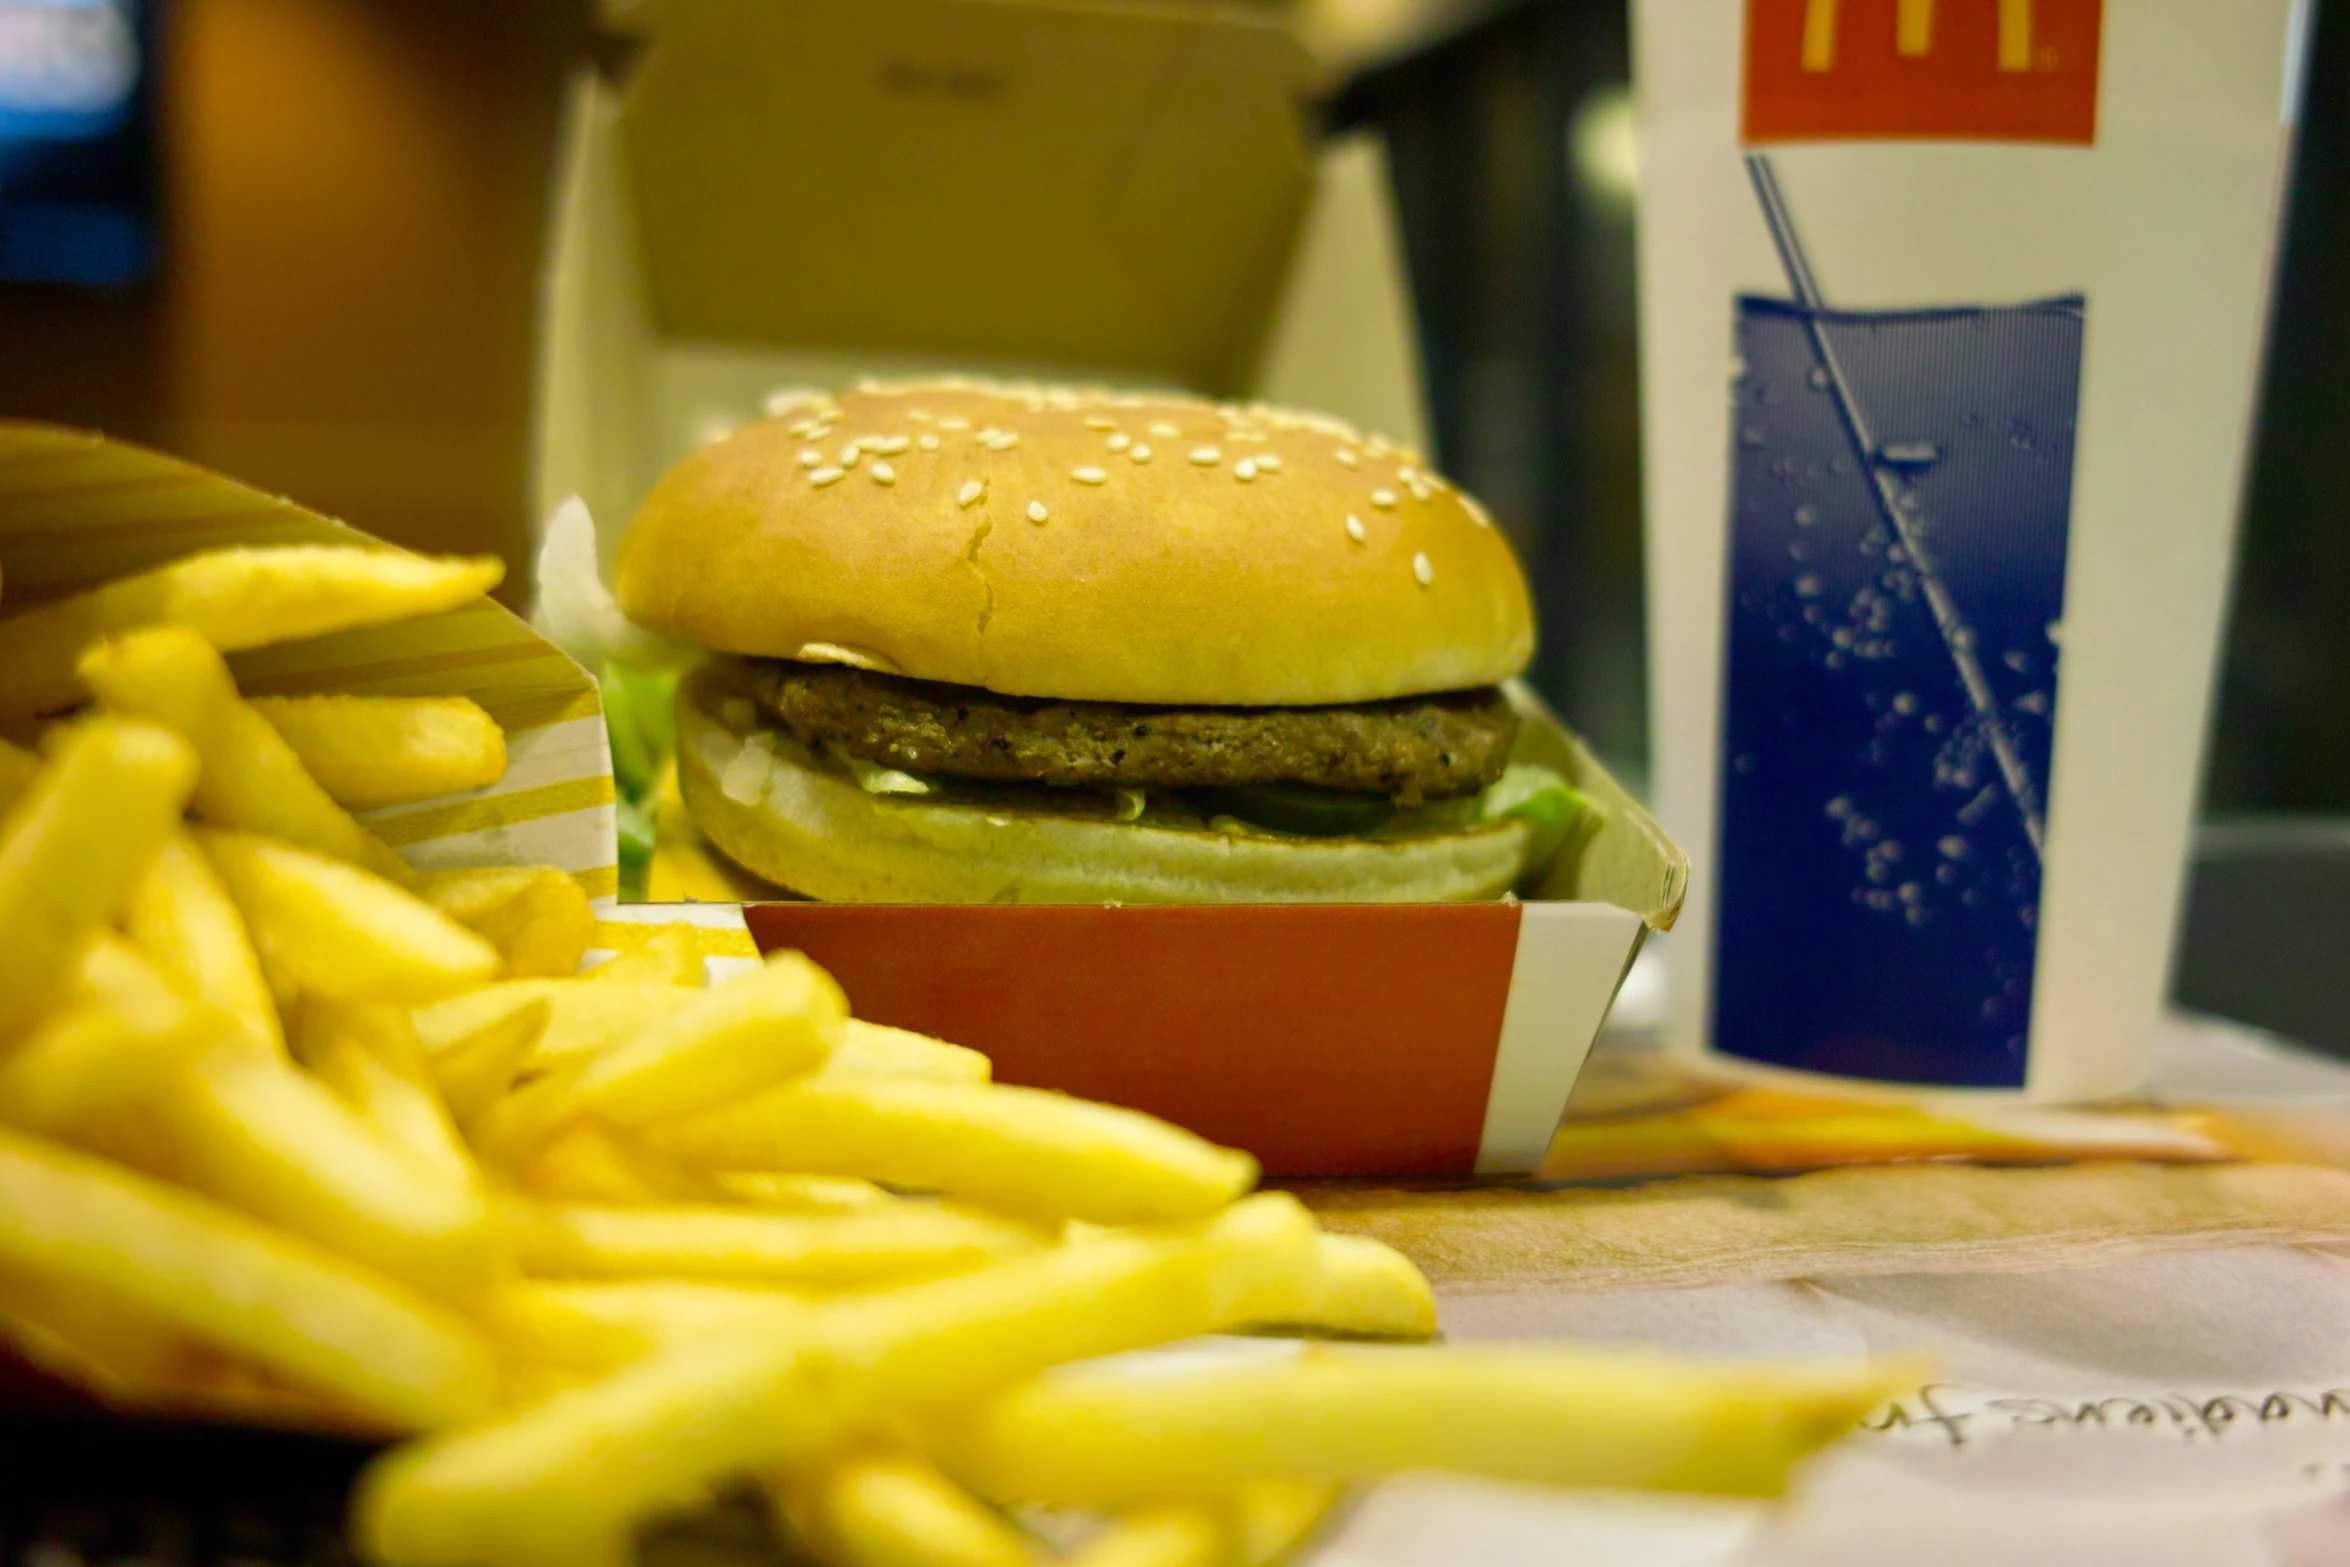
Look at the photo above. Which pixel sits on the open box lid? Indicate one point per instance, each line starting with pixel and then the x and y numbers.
pixel 1065 183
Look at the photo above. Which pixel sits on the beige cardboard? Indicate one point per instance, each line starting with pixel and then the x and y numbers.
pixel 1116 186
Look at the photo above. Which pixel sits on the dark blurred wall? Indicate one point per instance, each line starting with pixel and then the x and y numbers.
pixel 354 194
pixel 2283 736
pixel 1522 276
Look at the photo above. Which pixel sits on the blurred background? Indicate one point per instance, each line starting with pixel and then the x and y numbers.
pixel 300 241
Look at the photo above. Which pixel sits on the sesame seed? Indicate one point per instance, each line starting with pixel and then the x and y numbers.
pixel 1354 529
pixel 1244 470
pixel 1119 443
pixel 811 458
pixel 824 476
pixel 1347 458
pixel 1097 422
pixel 1420 490
pixel 887 445
pixel 1001 441
pixel 1165 431
pixel 970 492
pixel 1477 513
pixel 1036 511
pixel 850 453
pixel 950 422
pixel 883 473
pixel 926 441
pixel 1268 463
pixel 1206 456
pixel 804 428
pixel 918 415
pixel 1407 475
pixel 1383 499
pixel 1253 436
pixel 1087 475
pixel 1140 454
pixel 1377 446
pixel 1421 570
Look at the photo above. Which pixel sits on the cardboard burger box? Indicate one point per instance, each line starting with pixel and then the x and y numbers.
pixel 760 195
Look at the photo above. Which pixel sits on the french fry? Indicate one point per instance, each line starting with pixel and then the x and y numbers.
pixel 17 766
pixel 754 1030
pixel 75 1331
pixel 76 1071
pixel 585 1017
pixel 366 1051
pixel 666 957
pixel 1170 1535
pixel 272 1141
pixel 593 1014
pixel 116 976
pixel 1021 1150
pixel 565 1481
pixel 476 1058
pixel 339 931
pixel 373 751
pixel 594 1163
pixel 181 918
pixel 861 1049
pixel 939 1343
pixel 537 917
pixel 235 598
pixel 1272 1518
pixel 802 1193
pixel 894 1509
pixel 1612 1417
pixel 1364 1288
pixel 831 1251
pixel 74 844
pixel 296 1310
pixel 190 1103
pixel 251 778
pixel 604 1325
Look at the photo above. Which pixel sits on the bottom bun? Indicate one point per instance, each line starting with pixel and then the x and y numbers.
pixel 764 801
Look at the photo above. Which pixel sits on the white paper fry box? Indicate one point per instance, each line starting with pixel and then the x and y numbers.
pixel 77 510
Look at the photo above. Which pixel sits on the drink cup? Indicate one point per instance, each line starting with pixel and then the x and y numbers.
pixel 1951 318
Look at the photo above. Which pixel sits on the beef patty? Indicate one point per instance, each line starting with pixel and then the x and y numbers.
pixel 1411 749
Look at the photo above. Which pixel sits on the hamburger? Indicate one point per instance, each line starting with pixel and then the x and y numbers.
pixel 982 643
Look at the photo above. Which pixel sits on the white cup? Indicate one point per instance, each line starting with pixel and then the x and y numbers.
pixel 1935 599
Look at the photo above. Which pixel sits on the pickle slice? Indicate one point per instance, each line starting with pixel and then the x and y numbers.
pixel 1297 808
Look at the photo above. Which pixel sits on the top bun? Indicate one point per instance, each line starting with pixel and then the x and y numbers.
pixel 1084 545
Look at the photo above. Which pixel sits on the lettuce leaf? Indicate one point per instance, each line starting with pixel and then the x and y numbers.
pixel 1563 817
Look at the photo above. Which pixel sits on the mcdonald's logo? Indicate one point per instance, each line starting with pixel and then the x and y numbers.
pixel 1922 70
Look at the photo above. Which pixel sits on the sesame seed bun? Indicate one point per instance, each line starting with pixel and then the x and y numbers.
pixel 765 804
pixel 1084 545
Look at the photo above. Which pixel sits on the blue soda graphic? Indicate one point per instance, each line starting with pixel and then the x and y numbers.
pixel 1901 483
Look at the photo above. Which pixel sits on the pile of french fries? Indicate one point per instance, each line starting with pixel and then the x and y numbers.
pixel 292 1132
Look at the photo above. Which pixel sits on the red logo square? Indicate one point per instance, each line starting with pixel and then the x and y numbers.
pixel 1922 70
